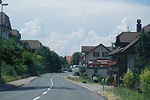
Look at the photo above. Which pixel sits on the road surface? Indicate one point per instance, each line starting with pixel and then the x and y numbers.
pixel 49 87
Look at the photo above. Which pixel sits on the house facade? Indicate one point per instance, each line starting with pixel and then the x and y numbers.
pixel 92 54
pixel 5 26
pixel 124 54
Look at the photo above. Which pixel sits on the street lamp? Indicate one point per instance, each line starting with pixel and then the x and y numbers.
pixel 1 36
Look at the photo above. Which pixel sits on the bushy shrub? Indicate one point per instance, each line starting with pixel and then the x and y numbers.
pixel 128 79
pixel 100 77
pixel 8 69
pixel 145 81
pixel 85 76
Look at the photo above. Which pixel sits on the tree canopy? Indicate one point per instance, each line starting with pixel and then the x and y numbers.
pixel 76 58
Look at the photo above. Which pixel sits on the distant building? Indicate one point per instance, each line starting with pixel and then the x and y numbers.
pixel 32 44
pixel 93 54
pixel 68 58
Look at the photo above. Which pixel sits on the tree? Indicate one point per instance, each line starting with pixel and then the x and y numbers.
pixel 76 58
pixel 54 61
pixel 142 52
pixel 50 60
pixel 63 61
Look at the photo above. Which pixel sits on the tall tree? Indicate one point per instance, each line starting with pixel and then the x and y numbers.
pixel 142 51
pixel 76 58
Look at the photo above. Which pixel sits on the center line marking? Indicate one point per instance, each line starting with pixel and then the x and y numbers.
pixel 44 92
pixel 49 89
pixel 36 98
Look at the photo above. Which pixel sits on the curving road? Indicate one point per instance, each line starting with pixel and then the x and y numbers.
pixel 49 87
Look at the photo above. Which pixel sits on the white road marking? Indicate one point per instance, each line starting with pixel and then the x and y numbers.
pixel 52 83
pixel 37 98
pixel 44 92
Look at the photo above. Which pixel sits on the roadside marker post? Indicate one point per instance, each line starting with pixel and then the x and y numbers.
pixel 103 84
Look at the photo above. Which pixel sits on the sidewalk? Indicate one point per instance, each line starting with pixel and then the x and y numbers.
pixel 16 83
pixel 95 87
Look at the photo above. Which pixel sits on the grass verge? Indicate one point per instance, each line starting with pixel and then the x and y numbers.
pixel 10 78
pixel 124 94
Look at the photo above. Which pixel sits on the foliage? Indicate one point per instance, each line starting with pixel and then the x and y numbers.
pixel 63 60
pixel 7 69
pixel 129 79
pixel 100 77
pixel 145 81
pixel 127 94
pixel 50 60
pixel 142 52
pixel 19 61
pixel 82 70
pixel 76 58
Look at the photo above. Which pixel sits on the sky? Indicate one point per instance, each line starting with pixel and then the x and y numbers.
pixel 66 25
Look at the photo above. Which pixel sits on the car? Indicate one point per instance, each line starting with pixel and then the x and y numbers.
pixel 95 79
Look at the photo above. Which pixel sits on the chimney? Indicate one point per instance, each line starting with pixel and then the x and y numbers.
pixel 138 25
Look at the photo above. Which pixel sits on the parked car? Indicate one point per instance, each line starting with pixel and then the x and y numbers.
pixel 76 74
pixel 95 79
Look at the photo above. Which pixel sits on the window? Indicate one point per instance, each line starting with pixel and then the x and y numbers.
pixel 95 54
pixel 104 54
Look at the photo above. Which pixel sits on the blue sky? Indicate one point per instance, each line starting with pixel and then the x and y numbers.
pixel 65 25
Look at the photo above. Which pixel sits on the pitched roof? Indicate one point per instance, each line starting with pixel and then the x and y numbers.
pixel 146 28
pixel 15 32
pixel 33 44
pixel 86 49
pixel 116 51
pixel 68 58
pixel 97 47
pixel 127 36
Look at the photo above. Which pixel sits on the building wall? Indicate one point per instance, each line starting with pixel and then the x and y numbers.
pixel 102 72
pixel 99 49
pixel 5 33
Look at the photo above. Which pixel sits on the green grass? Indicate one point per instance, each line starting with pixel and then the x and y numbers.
pixel 127 94
pixel 10 78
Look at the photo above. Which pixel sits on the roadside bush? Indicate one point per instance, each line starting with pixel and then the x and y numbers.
pixel 82 70
pixel 129 79
pixel 8 69
pixel 100 77
pixel 145 81
pixel 85 76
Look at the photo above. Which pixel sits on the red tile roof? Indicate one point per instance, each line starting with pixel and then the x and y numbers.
pixel 68 58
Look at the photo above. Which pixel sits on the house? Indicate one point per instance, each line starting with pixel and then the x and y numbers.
pixel 6 30
pixel 5 26
pixel 32 44
pixel 68 58
pixel 16 34
pixel 125 52
pixel 92 55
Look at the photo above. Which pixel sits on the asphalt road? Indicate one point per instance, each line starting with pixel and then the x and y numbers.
pixel 49 87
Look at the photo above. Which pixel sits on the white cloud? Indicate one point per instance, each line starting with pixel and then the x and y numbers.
pixel 32 27
pixel 123 26
pixel 100 19
pixel 66 44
